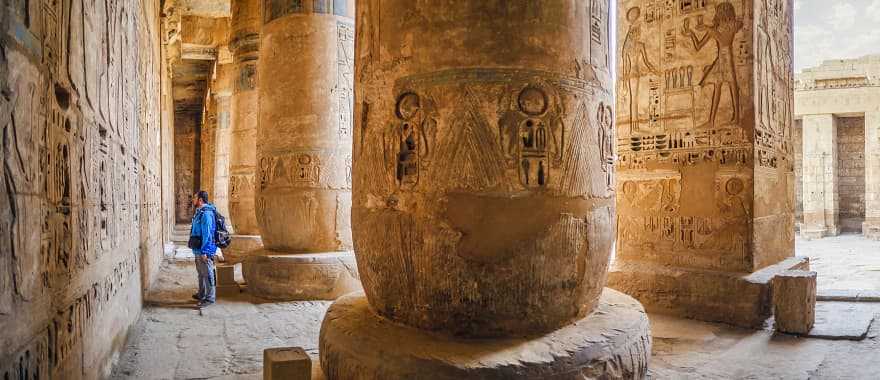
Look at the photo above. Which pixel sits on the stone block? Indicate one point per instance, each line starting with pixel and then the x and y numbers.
pixel 228 290
pixel 226 275
pixel 738 299
pixel 288 363
pixel 794 301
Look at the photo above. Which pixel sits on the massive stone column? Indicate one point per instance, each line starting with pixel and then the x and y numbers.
pixel 303 196
pixel 222 93
pixel 245 43
pixel 483 204
pixel 705 171
pixel 820 177
pixel 871 227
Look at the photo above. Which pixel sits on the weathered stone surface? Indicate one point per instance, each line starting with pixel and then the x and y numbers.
pixel 705 173
pixel 225 274
pixel 794 301
pixel 820 177
pixel 483 203
pixel 740 299
pixel 242 246
pixel 300 277
pixel 613 342
pixel 80 212
pixel 304 141
pixel 246 25
pixel 291 363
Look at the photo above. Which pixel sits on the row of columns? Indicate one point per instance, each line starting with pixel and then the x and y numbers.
pixel 821 194
pixel 475 177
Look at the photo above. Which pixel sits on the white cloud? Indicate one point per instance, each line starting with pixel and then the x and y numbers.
pixel 843 16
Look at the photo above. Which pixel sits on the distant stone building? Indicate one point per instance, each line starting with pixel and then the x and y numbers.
pixel 837 147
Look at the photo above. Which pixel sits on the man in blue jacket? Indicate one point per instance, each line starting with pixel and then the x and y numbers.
pixel 203 228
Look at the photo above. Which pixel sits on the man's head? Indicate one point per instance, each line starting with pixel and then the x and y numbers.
pixel 200 199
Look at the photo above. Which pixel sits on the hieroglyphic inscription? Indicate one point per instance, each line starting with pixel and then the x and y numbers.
pixel 344 91
pixel 687 105
pixel 78 156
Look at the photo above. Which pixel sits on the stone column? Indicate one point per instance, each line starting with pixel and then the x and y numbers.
pixel 706 174
pixel 821 195
pixel 303 197
pixel 244 44
pixel 245 107
pixel 208 146
pixel 483 204
pixel 222 137
pixel 871 227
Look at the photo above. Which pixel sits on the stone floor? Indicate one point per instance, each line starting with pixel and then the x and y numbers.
pixel 173 340
pixel 843 262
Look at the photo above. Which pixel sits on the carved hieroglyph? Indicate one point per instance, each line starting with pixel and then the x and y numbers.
pixel 245 43
pixel 705 109
pixel 483 198
pixel 705 175
pixel 304 139
pixel 79 201
pixel 482 203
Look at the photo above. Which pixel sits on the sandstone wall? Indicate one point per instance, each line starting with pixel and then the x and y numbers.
pixel 851 174
pixel 187 165
pixel 80 201
pixel 797 140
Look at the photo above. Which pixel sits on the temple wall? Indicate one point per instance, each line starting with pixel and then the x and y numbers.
pixel 187 165
pixel 80 208
pixel 851 148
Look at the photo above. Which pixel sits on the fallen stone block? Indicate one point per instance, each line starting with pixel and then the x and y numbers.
pixel 794 301
pixel 226 275
pixel 288 363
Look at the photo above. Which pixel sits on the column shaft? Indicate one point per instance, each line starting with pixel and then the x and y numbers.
pixel 246 24
pixel 820 177
pixel 871 227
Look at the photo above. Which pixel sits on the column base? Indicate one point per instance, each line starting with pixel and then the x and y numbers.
pixel 614 342
pixel 871 230
pixel 819 233
pixel 739 299
pixel 241 247
pixel 301 277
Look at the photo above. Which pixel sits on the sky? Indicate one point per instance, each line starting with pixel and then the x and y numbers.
pixel 834 29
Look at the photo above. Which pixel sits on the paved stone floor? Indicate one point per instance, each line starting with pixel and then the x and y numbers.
pixel 173 340
pixel 843 262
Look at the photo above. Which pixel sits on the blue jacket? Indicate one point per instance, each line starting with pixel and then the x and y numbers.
pixel 204 224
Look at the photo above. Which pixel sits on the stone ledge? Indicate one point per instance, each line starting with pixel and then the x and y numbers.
pixel 739 299
pixel 301 277
pixel 614 342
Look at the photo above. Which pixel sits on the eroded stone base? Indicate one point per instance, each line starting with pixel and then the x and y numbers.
pixel 242 246
pixel 739 299
pixel 614 342
pixel 301 277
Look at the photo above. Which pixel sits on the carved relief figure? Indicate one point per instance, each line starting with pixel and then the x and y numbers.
pixel 722 70
pixel 635 64
pixel 414 136
pixel 531 136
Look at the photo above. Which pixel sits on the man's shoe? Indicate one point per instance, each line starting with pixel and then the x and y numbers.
pixel 196 297
pixel 204 303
